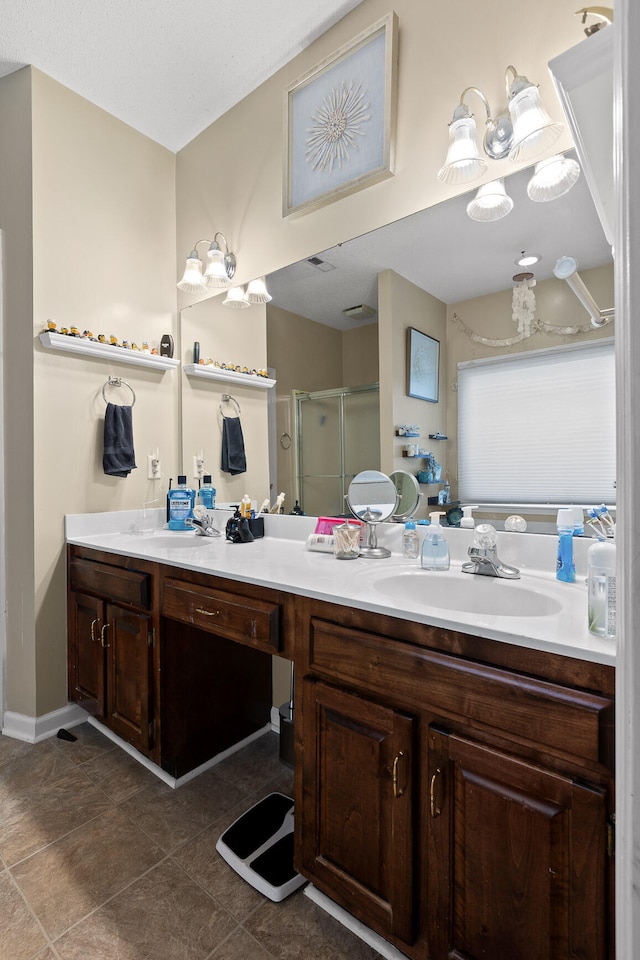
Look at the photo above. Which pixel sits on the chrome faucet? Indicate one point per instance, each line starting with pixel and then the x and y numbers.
pixel 203 524
pixel 484 556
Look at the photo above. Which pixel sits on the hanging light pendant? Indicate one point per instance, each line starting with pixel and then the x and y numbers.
pixel 491 202
pixel 533 129
pixel 192 278
pixel 463 162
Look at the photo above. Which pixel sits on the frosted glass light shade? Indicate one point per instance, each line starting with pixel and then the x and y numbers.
pixel 192 279
pixel 463 162
pixel 236 297
pixel 533 129
pixel 257 291
pixel 491 202
pixel 216 273
pixel 553 178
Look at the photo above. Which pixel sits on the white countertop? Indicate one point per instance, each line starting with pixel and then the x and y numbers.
pixel 280 561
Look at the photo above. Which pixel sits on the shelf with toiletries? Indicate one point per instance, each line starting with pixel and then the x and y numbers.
pixel 104 351
pixel 228 376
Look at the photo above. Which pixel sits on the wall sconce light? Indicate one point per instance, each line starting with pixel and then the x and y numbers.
pixel 552 178
pixel 522 133
pixel 219 272
pixel 491 202
pixel 236 297
pixel 566 268
pixel 257 291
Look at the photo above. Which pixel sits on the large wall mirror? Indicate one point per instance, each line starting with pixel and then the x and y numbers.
pixel 341 372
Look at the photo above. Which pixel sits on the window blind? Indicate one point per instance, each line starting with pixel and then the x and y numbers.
pixel 538 427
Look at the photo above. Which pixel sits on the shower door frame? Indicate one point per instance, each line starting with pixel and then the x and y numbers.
pixel 300 396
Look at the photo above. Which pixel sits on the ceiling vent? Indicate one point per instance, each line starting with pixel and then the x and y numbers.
pixel 320 264
pixel 361 312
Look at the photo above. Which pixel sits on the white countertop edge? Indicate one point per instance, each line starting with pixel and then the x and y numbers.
pixel 280 563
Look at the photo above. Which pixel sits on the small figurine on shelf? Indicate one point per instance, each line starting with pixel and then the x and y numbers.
pixel 145 347
pixel 74 332
pixel 102 338
pixel 154 351
pixel 64 331
pixel 113 341
pixel 87 335
pixel 125 344
pixel 52 327
pixel 134 346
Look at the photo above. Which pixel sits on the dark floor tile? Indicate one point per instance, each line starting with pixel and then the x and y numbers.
pixel 162 916
pixel 21 936
pixel 89 744
pixel 36 766
pixel 253 765
pixel 171 817
pixel 39 816
pixel 118 774
pixel 70 878
pixel 297 929
pixel 240 946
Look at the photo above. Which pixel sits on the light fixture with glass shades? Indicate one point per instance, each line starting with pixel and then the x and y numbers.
pixel 552 178
pixel 491 202
pixel 521 132
pixel 257 291
pixel 566 268
pixel 236 297
pixel 218 273
pixel 527 259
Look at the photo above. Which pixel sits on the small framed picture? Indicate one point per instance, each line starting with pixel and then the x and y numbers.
pixel 339 121
pixel 423 364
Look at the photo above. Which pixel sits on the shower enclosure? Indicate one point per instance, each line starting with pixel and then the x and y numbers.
pixel 336 435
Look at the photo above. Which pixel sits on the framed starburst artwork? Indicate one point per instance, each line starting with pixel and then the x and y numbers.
pixel 423 365
pixel 339 121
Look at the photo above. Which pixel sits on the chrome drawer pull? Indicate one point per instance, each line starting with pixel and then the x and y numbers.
pixel 207 613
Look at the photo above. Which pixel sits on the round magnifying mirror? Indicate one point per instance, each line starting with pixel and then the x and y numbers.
pixel 409 493
pixel 372 498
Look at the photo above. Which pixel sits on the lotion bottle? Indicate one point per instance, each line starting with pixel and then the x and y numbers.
pixel 601 587
pixel 435 549
pixel 410 541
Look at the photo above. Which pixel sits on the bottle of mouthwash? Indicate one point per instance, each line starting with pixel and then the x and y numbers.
pixel 207 493
pixel 181 502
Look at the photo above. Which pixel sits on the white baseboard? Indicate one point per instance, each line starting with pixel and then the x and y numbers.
pixel 374 940
pixel 34 729
pixel 275 719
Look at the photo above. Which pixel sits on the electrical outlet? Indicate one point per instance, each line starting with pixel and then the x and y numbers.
pixel 153 466
pixel 198 466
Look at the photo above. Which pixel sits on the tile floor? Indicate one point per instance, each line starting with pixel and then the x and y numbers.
pixel 99 860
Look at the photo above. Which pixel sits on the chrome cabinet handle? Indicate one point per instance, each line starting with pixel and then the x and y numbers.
pixel 102 636
pixel 435 809
pixel 397 791
pixel 207 613
pixel 93 625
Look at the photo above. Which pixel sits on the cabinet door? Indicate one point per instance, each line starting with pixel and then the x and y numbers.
pixel 129 639
pixel 86 653
pixel 516 862
pixel 356 825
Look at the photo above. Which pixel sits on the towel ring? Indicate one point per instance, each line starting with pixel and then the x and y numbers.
pixel 118 382
pixel 227 399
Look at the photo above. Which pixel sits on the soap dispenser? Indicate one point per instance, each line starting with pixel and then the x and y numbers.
pixel 467 517
pixel 435 549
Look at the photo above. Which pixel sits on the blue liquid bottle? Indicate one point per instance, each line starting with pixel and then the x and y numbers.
pixel 207 493
pixel 181 502
pixel 565 569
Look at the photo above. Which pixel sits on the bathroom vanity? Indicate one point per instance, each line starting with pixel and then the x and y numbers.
pixel 454 788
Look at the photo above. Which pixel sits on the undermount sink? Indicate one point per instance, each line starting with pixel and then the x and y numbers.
pixel 464 593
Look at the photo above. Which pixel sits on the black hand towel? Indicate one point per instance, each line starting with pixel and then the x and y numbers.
pixel 234 460
pixel 119 458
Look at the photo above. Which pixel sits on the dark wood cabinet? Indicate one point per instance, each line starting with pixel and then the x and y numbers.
pixel 358 839
pixel 111 651
pixel 460 808
pixel 516 857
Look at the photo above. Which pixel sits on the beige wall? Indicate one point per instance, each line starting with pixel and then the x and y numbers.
pixel 490 317
pixel 17 347
pixel 103 256
pixel 402 305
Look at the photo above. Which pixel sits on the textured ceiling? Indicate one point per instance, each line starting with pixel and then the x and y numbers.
pixel 168 68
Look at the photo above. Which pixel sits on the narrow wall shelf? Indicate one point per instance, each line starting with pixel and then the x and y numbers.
pixel 89 348
pixel 208 372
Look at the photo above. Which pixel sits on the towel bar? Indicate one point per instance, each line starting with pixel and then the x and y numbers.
pixel 117 382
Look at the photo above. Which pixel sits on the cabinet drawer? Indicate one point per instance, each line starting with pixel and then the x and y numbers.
pixel 252 622
pixel 113 583
pixel 570 722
